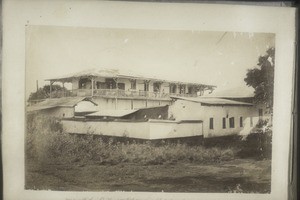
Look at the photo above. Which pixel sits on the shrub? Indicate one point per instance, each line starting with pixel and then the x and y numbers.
pixel 258 144
pixel 41 132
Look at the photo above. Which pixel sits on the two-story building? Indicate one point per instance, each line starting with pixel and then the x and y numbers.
pixel 114 89
pixel 114 103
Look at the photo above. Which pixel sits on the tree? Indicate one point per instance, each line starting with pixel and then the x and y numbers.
pixel 261 78
pixel 44 92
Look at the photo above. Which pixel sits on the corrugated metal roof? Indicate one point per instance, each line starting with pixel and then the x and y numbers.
pixel 110 73
pixel 237 92
pixel 116 73
pixel 111 113
pixel 57 102
pixel 213 101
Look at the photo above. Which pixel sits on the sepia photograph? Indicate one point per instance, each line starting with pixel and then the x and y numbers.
pixel 115 100
pixel 148 110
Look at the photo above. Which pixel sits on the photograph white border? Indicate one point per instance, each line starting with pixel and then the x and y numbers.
pixel 140 15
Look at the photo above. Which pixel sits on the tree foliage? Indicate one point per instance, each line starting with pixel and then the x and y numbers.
pixel 44 92
pixel 261 78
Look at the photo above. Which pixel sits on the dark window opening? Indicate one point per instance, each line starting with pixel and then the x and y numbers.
pixel 241 121
pixel 110 83
pixel 190 90
pixel 133 84
pixel 173 88
pixel 260 113
pixel 156 87
pixel 121 86
pixel 101 85
pixel 211 123
pixel 231 122
pixel 224 122
pixel 85 83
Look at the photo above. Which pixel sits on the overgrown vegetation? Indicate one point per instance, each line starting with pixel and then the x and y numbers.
pixel 46 142
pixel 44 92
pixel 57 160
pixel 261 78
pixel 258 144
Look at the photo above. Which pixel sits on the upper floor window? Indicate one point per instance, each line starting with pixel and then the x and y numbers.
pixel 156 87
pixel 146 86
pixel 121 86
pixel 182 89
pixel 85 83
pixel 110 83
pixel 173 88
pixel 133 84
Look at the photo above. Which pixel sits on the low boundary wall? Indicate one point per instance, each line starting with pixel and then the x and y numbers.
pixel 151 129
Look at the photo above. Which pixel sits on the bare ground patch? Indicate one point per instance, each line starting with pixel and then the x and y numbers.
pixel 239 175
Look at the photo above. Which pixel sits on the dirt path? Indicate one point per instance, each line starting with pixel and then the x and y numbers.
pixel 240 175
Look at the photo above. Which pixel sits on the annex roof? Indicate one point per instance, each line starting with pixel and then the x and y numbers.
pixel 213 101
pixel 237 92
pixel 58 102
pixel 111 113
pixel 116 73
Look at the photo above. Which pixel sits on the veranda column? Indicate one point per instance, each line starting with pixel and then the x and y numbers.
pixel 160 89
pixel 133 86
pixel 117 93
pixel 178 88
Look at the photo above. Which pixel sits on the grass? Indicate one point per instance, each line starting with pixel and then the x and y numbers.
pixel 60 161
pixel 239 175
pixel 46 142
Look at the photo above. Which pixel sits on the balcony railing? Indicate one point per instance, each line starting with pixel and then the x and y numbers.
pixel 117 93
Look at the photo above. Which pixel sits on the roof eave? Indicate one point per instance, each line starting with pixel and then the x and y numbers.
pixel 70 78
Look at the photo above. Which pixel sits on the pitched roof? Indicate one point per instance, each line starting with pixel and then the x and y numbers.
pixel 237 92
pixel 213 101
pixel 111 113
pixel 109 73
pixel 58 102
pixel 116 73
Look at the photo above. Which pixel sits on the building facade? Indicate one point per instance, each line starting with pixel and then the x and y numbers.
pixel 113 89
pixel 221 117
pixel 109 102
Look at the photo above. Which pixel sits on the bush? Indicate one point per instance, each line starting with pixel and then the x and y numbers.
pixel 41 132
pixel 258 144
pixel 47 143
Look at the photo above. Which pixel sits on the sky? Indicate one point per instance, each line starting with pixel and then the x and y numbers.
pixel 216 58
